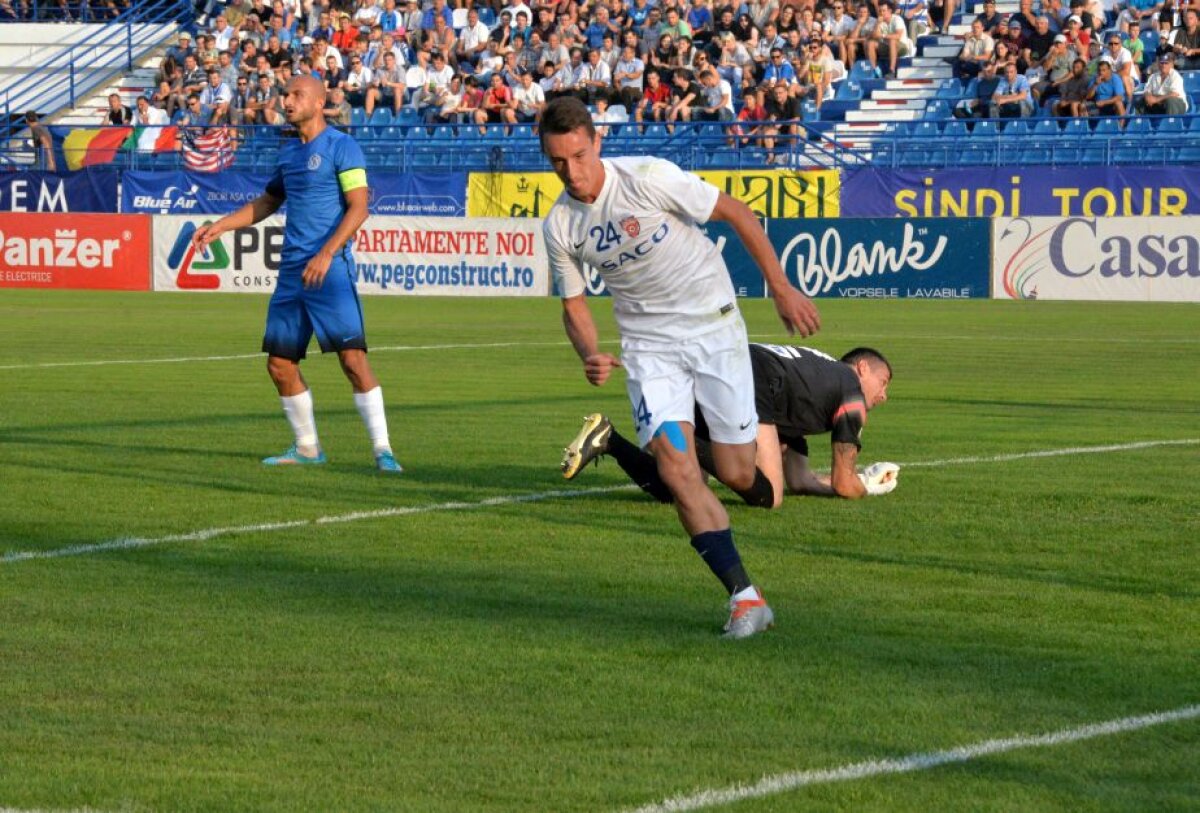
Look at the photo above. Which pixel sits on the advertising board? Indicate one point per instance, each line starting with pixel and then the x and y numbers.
pixel 398 256
pixel 88 251
pixel 1141 259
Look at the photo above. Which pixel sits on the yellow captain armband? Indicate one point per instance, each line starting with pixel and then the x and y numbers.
pixel 352 179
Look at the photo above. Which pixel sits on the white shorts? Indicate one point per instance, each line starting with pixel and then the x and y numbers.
pixel 666 382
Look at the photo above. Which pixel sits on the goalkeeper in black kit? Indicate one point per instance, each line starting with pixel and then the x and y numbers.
pixel 798 392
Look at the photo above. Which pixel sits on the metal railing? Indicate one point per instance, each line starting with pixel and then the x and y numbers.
pixel 410 147
pixel 83 65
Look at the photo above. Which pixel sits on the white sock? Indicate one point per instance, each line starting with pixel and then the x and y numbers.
pixel 299 412
pixel 370 407
pixel 750 593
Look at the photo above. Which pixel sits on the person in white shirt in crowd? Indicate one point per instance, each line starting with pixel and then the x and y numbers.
pixel 889 40
pixel 223 34
pixel 838 27
pixel 1122 62
pixel 357 82
pixel 718 98
pixel 472 39
pixel 605 115
pixel 215 98
pixel 1165 93
pixel 529 97
pixel 599 80
pixel 629 78
pixel 387 86
pixel 366 15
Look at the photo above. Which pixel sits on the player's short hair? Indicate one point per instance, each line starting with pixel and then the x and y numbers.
pixel 870 354
pixel 566 114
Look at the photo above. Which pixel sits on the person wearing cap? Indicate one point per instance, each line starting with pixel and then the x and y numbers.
pixel 1165 93
pixel 1106 95
pixel 976 52
pixel 181 49
pixel 1079 39
pixel 1079 8
pixel 1056 67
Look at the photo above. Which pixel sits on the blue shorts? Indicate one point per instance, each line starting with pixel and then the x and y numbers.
pixel 331 311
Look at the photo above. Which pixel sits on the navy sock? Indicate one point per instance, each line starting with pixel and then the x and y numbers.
pixel 640 466
pixel 760 494
pixel 718 552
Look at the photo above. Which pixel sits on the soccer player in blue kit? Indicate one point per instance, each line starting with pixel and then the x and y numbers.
pixel 323 177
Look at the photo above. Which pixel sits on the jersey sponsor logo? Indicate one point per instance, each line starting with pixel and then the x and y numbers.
pixel 631 226
pixel 635 252
pixel 314 163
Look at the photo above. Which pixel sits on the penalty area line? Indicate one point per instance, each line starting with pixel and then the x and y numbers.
pixel 132 543
pixel 782 783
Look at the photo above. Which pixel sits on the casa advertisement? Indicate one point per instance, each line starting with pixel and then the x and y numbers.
pixel 393 256
pixel 205 193
pixel 941 258
pixel 775 193
pixel 1128 259
pixel 76 251
pixel 91 190
pixel 1078 191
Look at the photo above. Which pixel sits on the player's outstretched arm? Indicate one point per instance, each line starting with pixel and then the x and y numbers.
pixel 796 310
pixel 258 209
pixel 581 330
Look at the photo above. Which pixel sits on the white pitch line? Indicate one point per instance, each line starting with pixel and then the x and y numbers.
pixel 129 543
pixel 784 782
pixel 241 356
pixel 485 345
pixel 1071 450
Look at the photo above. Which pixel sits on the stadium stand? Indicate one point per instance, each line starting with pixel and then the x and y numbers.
pixel 418 88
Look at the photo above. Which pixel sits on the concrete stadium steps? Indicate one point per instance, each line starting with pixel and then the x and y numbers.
pixel 943 50
pixel 924 92
pixel 131 85
pixel 886 115
pixel 876 104
pixel 926 69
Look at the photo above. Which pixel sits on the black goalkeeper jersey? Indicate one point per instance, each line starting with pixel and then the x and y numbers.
pixel 804 392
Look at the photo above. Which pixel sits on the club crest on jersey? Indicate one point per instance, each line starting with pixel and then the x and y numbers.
pixel 631 226
pixel 314 163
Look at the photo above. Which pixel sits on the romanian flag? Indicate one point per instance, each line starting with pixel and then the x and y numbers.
pixel 99 145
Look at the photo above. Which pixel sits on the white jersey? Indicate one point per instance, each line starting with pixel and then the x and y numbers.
pixel 668 281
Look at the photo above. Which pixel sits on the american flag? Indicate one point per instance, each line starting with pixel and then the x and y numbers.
pixel 207 150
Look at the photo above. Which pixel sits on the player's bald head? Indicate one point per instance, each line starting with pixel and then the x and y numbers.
pixel 308 85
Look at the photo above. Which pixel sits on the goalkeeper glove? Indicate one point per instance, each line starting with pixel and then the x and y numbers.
pixel 880 478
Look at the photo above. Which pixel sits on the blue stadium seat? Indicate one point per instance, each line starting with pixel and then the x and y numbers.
pixel 358 116
pixel 937 110
pixel 950 90
pixel 1170 124
pixel 1076 128
pixel 418 132
pixel 1149 39
pixel 862 70
pixel 1046 127
pixel 954 128
pixel 1194 123
pixel 381 117
pixel 1107 126
pixel 925 129
pixel 850 91
pixel 1015 127
pixel 487 16
pixel 407 115
pixel 1191 81
pixel 984 129
pixel 1137 125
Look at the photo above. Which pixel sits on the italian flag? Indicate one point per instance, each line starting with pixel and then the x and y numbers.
pixel 95 146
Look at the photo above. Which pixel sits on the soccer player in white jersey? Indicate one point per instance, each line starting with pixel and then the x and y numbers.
pixel 683 342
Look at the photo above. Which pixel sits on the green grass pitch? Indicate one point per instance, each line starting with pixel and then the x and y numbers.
pixel 562 654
